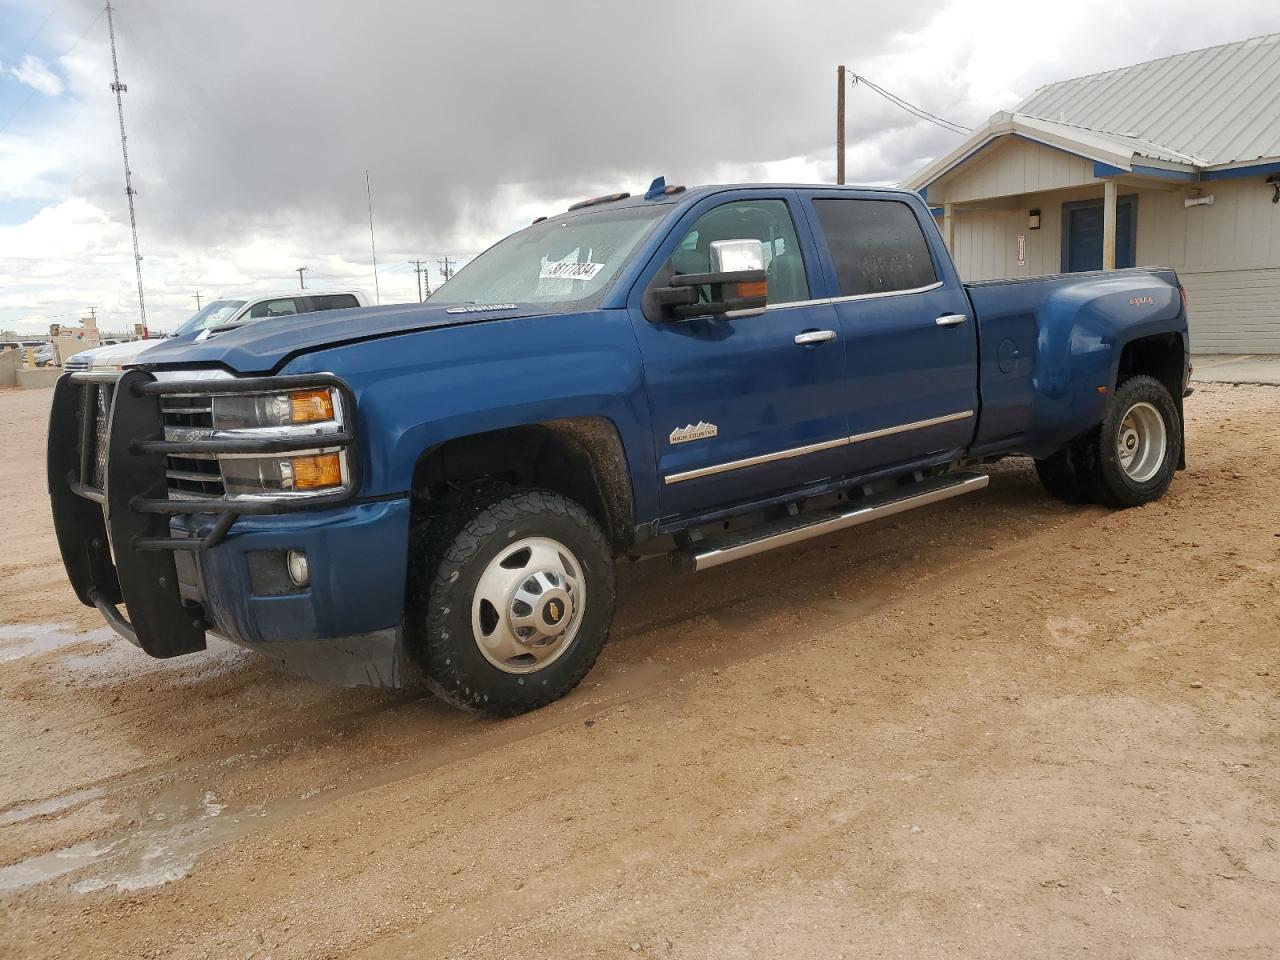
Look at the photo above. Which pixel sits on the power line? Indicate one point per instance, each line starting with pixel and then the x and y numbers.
pixel 39 30
pixel 93 23
pixel 915 111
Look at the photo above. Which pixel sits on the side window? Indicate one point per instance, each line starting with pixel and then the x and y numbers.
pixel 337 301
pixel 768 221
pixel 273 308
pixel 877 246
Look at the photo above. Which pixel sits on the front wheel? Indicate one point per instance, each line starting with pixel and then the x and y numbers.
pixel 510 601
pixel 1130 459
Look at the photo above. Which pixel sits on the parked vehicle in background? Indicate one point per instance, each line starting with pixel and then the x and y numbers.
pixel 42 352
pixel 219 315
pixel 436 493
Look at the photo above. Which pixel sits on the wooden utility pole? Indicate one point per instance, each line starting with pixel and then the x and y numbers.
pixel 197 298
pixel 298 271
pixel 840 85
pixel 419 269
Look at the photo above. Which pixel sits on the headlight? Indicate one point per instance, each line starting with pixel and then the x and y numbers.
pixel 308 473
pixel 308 422
pixel 294 408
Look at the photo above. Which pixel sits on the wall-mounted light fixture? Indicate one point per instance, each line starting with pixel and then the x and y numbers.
pixel 1033 219
pixel 1198 200
pixel 1274 181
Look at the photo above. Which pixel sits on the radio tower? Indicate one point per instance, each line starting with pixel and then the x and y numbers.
pixel 118 88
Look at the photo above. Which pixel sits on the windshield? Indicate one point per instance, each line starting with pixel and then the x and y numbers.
pixel 569 262
pixel 213 314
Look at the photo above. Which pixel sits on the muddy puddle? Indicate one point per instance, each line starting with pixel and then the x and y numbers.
pixel 170 830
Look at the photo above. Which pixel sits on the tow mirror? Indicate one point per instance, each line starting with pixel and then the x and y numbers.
pixel 737 282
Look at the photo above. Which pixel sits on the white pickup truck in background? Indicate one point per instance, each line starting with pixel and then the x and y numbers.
pixel 221 313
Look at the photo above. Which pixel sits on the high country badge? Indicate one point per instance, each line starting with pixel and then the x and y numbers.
pixel 690 431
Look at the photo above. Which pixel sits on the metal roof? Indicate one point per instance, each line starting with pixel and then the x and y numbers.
pixel 1207 107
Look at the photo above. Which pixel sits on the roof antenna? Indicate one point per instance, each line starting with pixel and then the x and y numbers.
pixel 656 189
pixel 373 246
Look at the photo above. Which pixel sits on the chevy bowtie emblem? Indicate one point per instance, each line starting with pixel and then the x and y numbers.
pixel 555 611
pixel 691 431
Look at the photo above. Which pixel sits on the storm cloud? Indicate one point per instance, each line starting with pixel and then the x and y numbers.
pixel 255 110
pixel 251 123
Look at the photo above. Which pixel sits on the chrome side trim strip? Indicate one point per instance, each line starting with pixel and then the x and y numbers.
pixel 856 296
pixel 815 447
pixel 755 461
pixel 962 484
pixel 917 425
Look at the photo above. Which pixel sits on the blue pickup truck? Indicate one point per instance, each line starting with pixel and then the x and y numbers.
pixel 436 493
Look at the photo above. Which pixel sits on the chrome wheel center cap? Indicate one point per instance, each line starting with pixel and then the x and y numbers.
pixel 541 608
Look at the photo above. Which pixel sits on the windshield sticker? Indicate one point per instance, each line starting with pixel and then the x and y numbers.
pixel 569 270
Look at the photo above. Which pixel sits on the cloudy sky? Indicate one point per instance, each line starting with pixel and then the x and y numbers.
pixel 251 123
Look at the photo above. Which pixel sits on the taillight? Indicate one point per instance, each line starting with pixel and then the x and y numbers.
pixel 1182 292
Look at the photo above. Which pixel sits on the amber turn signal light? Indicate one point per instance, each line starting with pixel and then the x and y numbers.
pixel 310 406
pixel 318 472
pixel 753 288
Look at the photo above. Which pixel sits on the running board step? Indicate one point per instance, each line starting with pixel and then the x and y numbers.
pixel 714 551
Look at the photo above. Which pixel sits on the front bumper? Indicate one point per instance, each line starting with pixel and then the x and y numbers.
pixel 184 567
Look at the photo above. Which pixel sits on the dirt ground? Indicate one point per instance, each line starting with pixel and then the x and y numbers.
pixel 1003 727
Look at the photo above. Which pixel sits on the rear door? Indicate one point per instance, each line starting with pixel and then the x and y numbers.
pixel 909 343
pixel 749 406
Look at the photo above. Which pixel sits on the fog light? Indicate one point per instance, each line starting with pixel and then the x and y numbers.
pixel 299 569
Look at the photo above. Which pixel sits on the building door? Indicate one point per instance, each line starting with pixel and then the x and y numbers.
pixel 1082 234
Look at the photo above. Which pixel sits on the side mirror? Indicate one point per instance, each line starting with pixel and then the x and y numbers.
pixel 737 280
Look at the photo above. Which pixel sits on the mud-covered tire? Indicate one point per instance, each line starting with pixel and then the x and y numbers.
pixel 449 560
pixel 1059 476
pixel 1097 457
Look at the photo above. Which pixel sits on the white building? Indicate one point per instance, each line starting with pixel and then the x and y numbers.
pixel 1173 162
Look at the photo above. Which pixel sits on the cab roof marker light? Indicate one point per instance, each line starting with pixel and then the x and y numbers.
pixel 610 198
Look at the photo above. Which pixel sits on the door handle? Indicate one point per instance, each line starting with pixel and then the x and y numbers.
pixel 815 336
pixel 951 320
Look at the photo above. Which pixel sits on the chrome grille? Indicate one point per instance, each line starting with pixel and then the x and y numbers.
pixel 187 412
pixel 190 418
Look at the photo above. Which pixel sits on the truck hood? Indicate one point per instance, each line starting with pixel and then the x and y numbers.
pixel 265 346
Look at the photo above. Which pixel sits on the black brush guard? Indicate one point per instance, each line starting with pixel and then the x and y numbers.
pixel 114 537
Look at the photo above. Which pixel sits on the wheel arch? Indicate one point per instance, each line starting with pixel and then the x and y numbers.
pixel 582 458
pixel 1163 357
pixel 1160 355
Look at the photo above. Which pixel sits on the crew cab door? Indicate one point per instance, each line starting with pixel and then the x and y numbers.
pixel 749 406
pixel 910 344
